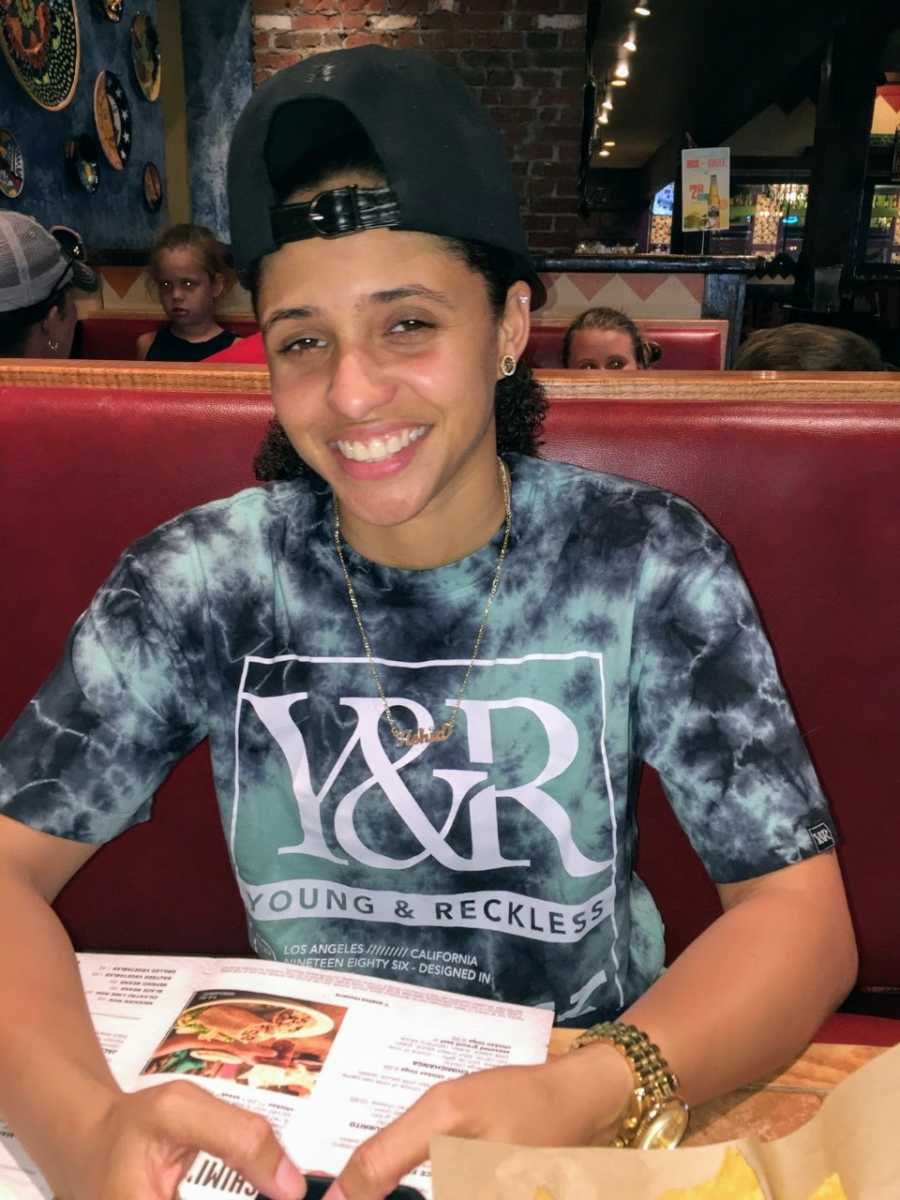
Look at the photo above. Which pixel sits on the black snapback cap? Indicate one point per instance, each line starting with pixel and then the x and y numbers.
pixel 444 158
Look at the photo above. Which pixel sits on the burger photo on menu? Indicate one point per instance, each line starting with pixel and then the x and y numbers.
pixel 249 1038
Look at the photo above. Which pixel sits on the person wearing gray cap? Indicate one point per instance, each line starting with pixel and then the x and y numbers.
pixel 37 312
pixel 429 665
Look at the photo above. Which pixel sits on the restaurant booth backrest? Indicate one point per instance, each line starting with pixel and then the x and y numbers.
pixel 686 345
pixel 799 473
pixel 112 335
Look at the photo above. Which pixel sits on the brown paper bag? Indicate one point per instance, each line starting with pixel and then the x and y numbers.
pixel 856 1133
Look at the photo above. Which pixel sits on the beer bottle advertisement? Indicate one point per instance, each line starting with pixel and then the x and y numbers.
pixel 705 189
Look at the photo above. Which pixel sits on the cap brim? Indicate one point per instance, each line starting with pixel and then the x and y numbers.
pixel 538 291
pixel 83 277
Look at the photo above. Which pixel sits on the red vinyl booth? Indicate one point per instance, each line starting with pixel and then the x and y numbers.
pixel 112 335
pixel 805 486
pixel 686 345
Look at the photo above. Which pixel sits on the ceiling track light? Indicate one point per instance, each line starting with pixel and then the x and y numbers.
pixel 642 10
pixel 603 154
pixel 602 118
pixel 607 102
pixel 630 43
pixel 609 144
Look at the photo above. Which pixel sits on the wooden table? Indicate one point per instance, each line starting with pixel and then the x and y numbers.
pixel 774 1106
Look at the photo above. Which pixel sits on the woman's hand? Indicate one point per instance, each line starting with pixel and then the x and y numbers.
pixel 144 1146
pixel 574 1100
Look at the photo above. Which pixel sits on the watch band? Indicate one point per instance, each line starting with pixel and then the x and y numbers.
pixel 656 1085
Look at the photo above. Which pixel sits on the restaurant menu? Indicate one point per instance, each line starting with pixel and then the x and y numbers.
pixel 327 1057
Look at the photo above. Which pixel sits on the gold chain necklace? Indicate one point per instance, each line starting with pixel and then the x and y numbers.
pixel 409 737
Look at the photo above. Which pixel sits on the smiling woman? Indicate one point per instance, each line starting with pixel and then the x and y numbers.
pixel 431 315
pixel 429 666
pixel 519 405
pixel 388 392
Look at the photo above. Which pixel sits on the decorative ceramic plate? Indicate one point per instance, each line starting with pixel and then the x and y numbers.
pixel 112 116
pixel 145 55
pixel 12 166
pixel 40 41
pixel 83 162
pixel 111 9
pixel 153 189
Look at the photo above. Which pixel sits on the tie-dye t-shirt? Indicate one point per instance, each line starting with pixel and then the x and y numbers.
pixel 498 862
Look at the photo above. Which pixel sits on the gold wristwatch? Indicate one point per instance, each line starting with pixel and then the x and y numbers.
pixel 656 1118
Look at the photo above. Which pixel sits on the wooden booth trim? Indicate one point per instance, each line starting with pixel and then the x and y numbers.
pixel 723 387
pixel 638 386
pixel 136 376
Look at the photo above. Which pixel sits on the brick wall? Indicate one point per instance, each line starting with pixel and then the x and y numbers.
pixel 524 59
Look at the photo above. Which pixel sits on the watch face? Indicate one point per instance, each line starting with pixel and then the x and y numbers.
pixel 664 1126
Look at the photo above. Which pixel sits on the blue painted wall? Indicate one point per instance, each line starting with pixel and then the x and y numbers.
pixel 114 217
pixel 216 40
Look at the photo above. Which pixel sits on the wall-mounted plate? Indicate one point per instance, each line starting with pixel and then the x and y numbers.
pixel 145 55
pixel 41 43
pixel 153 188
pixel 112 116
pixel 12 166
pixel 111 9
pixel 83 162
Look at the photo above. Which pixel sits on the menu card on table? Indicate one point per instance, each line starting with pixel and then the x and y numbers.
pixel 327 1057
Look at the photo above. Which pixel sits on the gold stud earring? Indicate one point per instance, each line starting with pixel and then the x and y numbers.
pixel 508 365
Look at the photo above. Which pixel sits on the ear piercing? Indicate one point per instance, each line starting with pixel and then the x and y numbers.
pixel 508 365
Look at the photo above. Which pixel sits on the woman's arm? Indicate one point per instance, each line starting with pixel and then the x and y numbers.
pixel 56 1091
pixel 742 999
pixel 142 344
pixel 751 991
pixel 42 1005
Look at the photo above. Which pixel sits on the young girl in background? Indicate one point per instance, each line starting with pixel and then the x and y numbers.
pixel 188 267
pixel 604 339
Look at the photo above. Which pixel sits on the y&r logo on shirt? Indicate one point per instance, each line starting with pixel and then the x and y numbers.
pixel 471 794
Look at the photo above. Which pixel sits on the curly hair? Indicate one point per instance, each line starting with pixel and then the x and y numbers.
pixel 519 403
